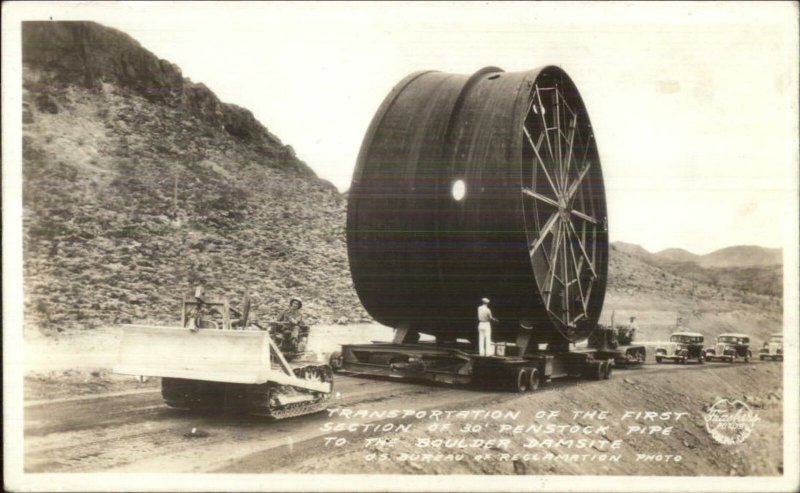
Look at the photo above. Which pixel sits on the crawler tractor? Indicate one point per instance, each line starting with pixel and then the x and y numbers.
pixel 219 360
pixel 617 343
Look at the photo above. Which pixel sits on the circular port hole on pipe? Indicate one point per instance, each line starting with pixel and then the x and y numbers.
pixel 459 190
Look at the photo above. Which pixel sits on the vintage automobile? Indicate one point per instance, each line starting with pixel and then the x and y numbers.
pixel 730 347
pixel 773 348
pixel 682 346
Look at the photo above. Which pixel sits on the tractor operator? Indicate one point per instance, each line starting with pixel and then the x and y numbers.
pixel 485 320
pixel 626 334
pixel 291 319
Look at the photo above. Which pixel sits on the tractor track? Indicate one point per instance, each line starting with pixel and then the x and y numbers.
pixel 135 431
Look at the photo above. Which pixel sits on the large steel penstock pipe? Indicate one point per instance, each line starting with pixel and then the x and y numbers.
pixel 480 186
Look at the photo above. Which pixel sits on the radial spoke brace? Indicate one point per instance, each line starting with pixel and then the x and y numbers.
pixel 559 150
pixel 539 157
pixel 544 124
pixel 577 270
pixel 565 300
pixel 536 195
pixel 585 217
pixel 553 267
pixel 571 141
pixel 577 183
pixel 543 233
pixel 563 106
pixel 583 250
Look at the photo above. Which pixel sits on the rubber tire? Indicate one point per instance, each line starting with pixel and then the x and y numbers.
pixel 609 368
pixel 519 380
pixel 658 359
pixel 701 359
pixel 336 361
pixel 761 357
pixel 747 357
pixel 533 379
pixel 598 370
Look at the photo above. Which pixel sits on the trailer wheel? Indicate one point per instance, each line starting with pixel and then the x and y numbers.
pixel 533 379
pixel 609 366
pixel 597 370
pixel 336 361
pixel 519 380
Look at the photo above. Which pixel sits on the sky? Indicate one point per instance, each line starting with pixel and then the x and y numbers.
pixel 694 106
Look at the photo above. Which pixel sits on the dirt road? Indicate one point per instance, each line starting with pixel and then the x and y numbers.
pixel 134 431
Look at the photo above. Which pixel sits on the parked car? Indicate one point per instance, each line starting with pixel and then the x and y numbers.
pixel 682 346
pixel 773 348
pixel 730 347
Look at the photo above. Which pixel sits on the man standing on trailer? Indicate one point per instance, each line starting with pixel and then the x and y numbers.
pixel 485 320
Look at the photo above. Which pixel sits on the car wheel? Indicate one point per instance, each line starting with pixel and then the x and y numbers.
pixel 701 359
pixel 747 358
pixel 658 359
pixel 761 357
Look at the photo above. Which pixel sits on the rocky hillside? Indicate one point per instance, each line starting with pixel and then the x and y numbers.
pixel 139 183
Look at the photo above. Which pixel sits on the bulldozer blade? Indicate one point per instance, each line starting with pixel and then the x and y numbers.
pixel 212 355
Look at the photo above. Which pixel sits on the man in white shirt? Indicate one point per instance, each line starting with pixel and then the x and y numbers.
pixel 485 320
pixel 626 334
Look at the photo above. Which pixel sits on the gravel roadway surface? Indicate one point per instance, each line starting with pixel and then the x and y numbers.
pixel 134 431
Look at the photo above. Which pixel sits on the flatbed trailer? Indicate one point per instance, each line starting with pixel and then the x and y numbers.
pixel 454 365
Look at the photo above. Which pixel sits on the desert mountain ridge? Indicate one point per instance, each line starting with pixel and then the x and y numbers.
pixel 138 184
pixel 732 256
pixel 751 268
